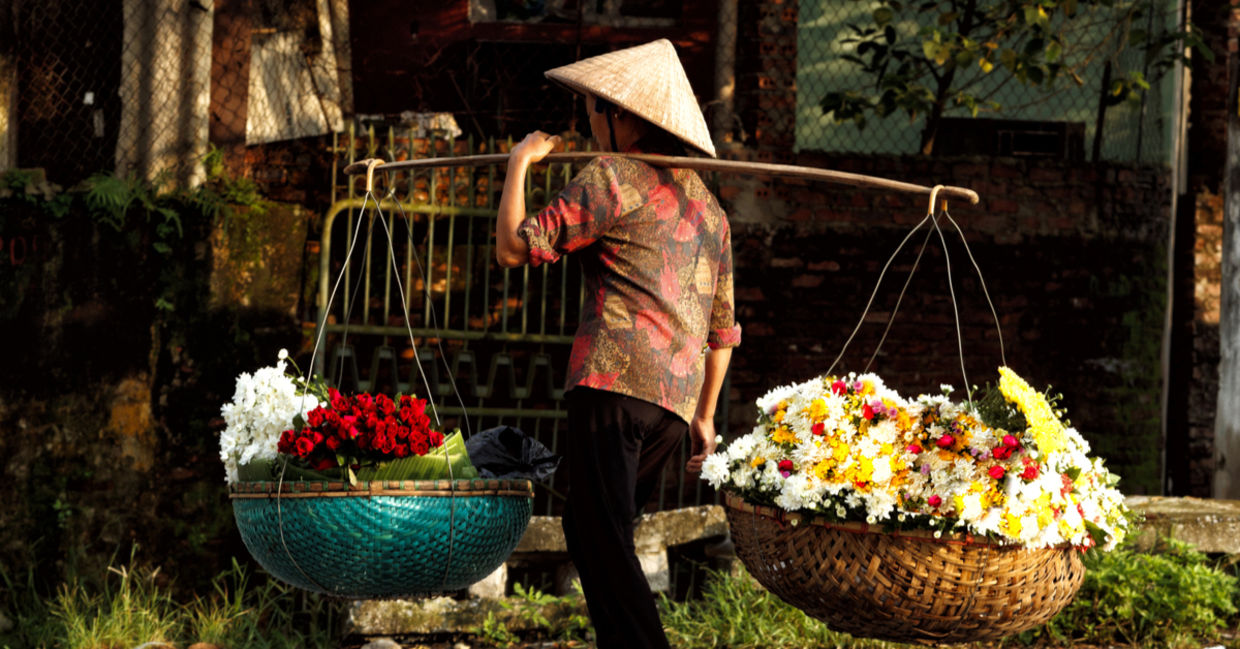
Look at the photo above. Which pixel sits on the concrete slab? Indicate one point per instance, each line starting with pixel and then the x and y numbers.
pixel 1209 525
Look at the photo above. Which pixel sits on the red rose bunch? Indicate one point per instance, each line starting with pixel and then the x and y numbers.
pixel 361 428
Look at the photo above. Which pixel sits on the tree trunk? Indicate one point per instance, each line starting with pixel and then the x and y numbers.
pixel 1227 417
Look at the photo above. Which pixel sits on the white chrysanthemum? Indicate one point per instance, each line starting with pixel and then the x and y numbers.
pixel 263 406
pixel 715 470
pixel 768 401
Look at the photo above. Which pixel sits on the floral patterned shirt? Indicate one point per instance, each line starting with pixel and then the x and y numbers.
pixel 656 255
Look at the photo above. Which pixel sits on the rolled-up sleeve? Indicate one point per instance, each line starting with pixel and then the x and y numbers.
pixel 724 330
pixel 587 207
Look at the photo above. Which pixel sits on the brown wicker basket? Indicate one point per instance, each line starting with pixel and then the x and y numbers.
pixel 906 587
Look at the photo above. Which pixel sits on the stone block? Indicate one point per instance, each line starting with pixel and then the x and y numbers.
pixel 1209 525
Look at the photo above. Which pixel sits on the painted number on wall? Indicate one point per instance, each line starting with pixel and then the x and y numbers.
pixel 16 250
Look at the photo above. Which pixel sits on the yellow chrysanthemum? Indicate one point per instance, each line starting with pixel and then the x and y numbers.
pixel 783 435
pixel 757 462
pixel 818 409
pixel 1047 430
pixel 1011 525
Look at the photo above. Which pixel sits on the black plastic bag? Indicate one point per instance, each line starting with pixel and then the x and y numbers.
pixel 507 453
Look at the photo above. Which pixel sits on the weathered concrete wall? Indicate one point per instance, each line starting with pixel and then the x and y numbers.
pixel 110 411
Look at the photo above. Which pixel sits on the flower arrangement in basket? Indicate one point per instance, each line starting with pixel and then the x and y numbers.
pixel 357 495
pixel 917 519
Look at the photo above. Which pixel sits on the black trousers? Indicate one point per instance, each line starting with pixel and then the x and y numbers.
pixel 617 448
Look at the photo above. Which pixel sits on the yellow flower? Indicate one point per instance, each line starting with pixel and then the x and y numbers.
pixel 782 435
pixel 1047 430
pixel 757 462
pixel 1011 525
pixel 818 409
pixel 779 415
pixel 823 469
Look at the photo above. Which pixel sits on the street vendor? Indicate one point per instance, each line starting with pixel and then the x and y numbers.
pixel 657 325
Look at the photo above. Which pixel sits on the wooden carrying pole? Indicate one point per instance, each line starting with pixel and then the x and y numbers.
pixel 699 164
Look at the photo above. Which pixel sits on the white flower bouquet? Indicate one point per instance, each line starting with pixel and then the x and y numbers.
pixel 850 449
pixel 265 404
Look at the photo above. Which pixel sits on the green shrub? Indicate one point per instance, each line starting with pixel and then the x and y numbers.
pixel 1171 596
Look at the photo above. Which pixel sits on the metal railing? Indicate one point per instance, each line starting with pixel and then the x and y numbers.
pixel 432 314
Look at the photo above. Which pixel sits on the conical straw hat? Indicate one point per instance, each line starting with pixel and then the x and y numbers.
pixel 646 80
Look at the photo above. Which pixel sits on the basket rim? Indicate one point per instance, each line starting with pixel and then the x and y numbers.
pixel 784 517
pixel 338 489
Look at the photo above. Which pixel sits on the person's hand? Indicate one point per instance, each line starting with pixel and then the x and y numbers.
pixel 702 439
pixel 534 147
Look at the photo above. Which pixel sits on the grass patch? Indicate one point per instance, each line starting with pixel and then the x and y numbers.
pixel 131 605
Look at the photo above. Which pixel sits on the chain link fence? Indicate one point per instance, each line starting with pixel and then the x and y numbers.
pixel 140 88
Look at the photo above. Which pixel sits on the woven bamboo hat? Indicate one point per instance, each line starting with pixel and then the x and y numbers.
pixel 647 80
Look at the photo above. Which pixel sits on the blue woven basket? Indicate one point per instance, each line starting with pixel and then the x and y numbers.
pixel 382 539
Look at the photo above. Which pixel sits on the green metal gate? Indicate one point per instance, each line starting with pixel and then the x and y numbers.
pixel 493 343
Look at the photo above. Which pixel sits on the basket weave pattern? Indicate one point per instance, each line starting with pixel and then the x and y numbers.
pixel 905 588
pixel 380 540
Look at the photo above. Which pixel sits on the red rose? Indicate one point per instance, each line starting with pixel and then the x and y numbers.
pixel 997 472
pixel 402 450
pixel 839 387
pixel 287 442
pixel 324 463
pixel 340 403
pixel 913 448
pixel 419 446
pixel 385 405
pixel 1030 472
pixel 333 443
pixel 314 418
pixel 1001 452
pixel 785 465
pixel 1008 440
pixel 304 447
pixel 867 412
pixel 945 441
pixel 934 501
pixel 435 438
pixel 818 428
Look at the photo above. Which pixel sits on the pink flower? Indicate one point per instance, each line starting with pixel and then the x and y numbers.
pixel 997 472
pixel 913 448
pixel 945 441
pixel 1008 440
pixel 934 501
